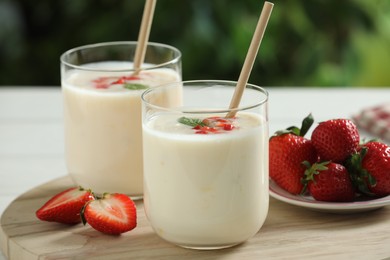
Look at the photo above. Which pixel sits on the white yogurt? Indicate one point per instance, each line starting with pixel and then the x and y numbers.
pixel 206 191
pixel 103 132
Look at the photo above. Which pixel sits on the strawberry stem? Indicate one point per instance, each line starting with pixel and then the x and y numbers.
pixel 306 124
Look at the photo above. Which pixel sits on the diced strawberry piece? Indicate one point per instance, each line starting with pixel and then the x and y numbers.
pixel 228 127
pixel 124 79
pixel 203 132
pixel 119 81
pixel 213 124
pixel 101 82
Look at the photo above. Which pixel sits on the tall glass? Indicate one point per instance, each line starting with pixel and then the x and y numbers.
pixel 205 175
pixel 102 111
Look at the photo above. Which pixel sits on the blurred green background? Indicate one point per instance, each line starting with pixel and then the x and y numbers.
pixel 307 43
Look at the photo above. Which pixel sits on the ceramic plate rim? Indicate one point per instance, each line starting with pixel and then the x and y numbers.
pixel 309 202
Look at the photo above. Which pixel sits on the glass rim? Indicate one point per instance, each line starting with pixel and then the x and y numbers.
pixel 229 83
pixel 113 43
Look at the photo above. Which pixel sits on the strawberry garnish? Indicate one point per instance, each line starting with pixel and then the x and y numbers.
pixel 101 83
pixel 328 181
pixel 209 125
pixel 288 149
pixel 335 139
pixel 112 214
pixel 125 81
pixel 65 207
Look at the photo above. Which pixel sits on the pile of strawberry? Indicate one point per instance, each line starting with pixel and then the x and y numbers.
pixel 110 214
pixel 331 166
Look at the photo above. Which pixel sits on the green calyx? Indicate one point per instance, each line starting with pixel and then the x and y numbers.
pixel 135 86
pixel 193 122
pixel 88 190
pixel 306 124
pixel 360 177
pixel 311 171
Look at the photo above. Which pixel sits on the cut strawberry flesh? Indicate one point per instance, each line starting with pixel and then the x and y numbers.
pixel 113 214
pixel 65 207
pixel 214 125
pixel 110 210
pixel 104 82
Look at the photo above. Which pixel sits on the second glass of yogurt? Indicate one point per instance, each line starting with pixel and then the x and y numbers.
pixel 205 175
pixel 102 111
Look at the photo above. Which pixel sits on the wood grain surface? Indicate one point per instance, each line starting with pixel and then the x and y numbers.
pixel 290 232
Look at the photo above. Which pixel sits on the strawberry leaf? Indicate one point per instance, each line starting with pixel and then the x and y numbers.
pixel 360 177
pixel 135 86
pixel 306 124
pixel 191 121
pixel 371 179
pixel 293 129
pixel 311 171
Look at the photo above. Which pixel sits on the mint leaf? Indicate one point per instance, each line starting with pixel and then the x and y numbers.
pixel 191 121
pixel 135 86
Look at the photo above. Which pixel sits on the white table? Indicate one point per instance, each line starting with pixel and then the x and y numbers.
pixel 31 127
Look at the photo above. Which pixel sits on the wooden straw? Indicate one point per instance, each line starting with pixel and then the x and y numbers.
pixel 250 57
pixel 143 35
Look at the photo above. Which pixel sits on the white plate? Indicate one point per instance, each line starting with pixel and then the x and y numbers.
pixel 331 207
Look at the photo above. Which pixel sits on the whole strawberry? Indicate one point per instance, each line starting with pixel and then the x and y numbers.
pixel 65 207
pixel 335 139
pixel 328 181
pixel 112 214
pixel 370 169
pixel 288 149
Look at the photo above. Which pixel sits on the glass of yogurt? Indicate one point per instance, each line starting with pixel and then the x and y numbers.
pixel 205 175
pixel 102 111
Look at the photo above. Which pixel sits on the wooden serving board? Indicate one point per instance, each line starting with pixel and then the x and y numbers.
pixel 289 232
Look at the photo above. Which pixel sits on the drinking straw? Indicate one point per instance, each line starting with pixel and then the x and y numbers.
pixel 143 35
pixel 250 58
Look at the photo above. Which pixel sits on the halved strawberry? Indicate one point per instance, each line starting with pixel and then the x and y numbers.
pixel 112 214
pixel 65 207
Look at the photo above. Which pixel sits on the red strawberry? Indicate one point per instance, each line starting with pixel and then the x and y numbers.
pixel 328 181
pixel 335 139
pixel 287 151
pixel 65 207
pixel 370 168
pixel 113 214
